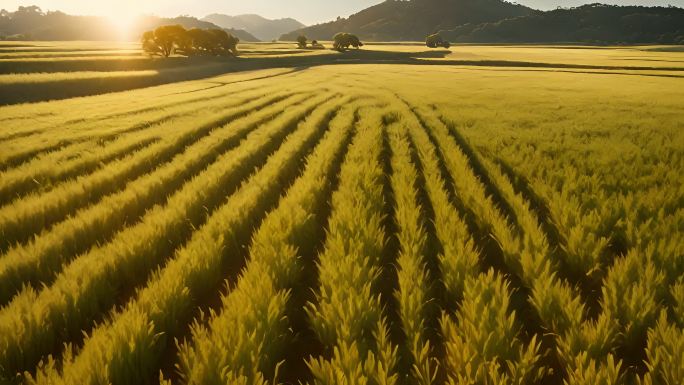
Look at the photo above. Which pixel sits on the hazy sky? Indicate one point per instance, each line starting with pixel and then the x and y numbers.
pixel 307 11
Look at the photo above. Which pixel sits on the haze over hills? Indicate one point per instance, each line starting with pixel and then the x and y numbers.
pixel 480 21
pixel 413 20
pixel 31 23
pixel 261 27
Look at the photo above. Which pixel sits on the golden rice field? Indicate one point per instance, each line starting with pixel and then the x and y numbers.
pixel 347 222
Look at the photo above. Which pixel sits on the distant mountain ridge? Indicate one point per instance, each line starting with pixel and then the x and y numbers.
pixel 395 20
pixel 261 27
pixel 497 21
pixel 591 23
pixel 31 23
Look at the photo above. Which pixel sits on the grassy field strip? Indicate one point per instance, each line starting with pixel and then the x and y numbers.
pixel 55 157
pixel 635 288
pixel 57 55
pixel 38 260
pixel 558 306
pixel 9 63
pixel 169 299
pixel 582 233
pixel 472 345
pixel 458 255
pixel 96 281
pixel 23 149
pixel 631 293
pixel 36 212
pixel 40 175
pixel 347 316
pixel 595 235
pixel 112 116
pixel 57 114
pixel 414 294
pixel 42 172
pixel 60 76
pixel 103 117
pixel 246 340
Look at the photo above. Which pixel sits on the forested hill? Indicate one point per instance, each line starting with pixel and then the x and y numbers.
pixel 395 20
pixel 593 23
pixel 31 23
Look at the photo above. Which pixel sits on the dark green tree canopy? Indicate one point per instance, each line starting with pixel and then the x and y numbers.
pixel 301 41
pixel 436 40
pixel 342 41
pixel 169 39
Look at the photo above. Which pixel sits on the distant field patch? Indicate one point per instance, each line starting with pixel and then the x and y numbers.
pixel 64 76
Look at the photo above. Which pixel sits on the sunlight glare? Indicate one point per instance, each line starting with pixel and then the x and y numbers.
pixel 123 19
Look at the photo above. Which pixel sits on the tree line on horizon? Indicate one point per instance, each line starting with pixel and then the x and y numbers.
pixel 169 39
pixel 174 39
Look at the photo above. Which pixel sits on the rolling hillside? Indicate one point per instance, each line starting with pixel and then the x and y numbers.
pixel 592 23
pixel 412 20
pixel 261 27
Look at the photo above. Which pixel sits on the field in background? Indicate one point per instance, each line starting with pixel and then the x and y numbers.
pixel 37 71
pixel 369 223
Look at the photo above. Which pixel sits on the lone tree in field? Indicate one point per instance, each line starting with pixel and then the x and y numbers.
pixel 301 41
pixel 436 40
pixel 166 40
pixel 342 41
pixel 316 45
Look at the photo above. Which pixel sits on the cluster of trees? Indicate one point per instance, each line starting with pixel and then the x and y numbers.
pixel 343 40
pixel 302 42
pixel 436 40
pixel 169 39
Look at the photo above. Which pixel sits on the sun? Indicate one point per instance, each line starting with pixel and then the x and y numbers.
pixel 123 21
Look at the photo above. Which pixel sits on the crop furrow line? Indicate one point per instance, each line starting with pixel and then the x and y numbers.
pixel 39 260
pixel 552 303
pixel 130 112
pixel 169 299
pixel 37 212
pixel 347 314
pixel 18 182
pixel 481 340
pixel 31 147
pixel 417 309
pixel 107 275
pixel 287 237
pixel 388 281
